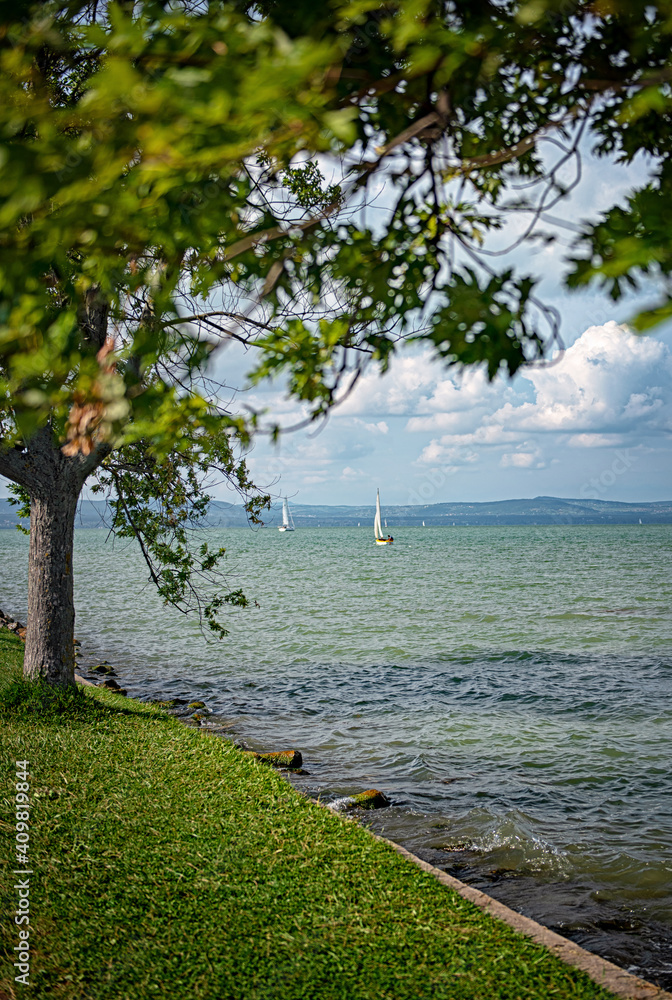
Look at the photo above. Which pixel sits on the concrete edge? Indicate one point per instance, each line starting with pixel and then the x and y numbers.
pixel 82 680
pixel 611 977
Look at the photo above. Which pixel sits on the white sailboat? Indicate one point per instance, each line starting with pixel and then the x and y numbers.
pixel 380 539
pixel 287 519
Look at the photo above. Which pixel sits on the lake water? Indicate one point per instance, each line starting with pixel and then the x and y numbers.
pixel 509 688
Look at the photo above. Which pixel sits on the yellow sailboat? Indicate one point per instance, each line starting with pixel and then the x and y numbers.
pixel 380 539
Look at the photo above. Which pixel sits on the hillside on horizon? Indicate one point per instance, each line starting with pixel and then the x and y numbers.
pixel 539 510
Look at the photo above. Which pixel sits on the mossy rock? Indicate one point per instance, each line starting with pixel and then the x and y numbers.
pixel 371 799
pixel 171 703
pixel 278 758
pixel 102 668
pixel 196 704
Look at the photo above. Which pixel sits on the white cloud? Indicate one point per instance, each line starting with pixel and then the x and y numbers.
pixel 603 387
pixel 378 428
pixel 551 430
pixel 445 453
pixel 522 459
pixel 608 379
pixel 399 392
pixel 594 440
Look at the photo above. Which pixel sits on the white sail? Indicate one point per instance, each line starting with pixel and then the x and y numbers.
pixel 377 526
pixel 287 519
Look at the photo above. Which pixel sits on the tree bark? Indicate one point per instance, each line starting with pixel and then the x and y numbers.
pixel 54 482
pixel 50 650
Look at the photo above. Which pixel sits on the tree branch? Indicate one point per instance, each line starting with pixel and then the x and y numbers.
pixel 14 465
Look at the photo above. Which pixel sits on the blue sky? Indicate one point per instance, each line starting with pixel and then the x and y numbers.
pixel 597 423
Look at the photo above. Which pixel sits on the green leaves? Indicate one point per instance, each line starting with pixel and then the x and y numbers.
pixel 162 504
pixel 486 324
pixel 119 179
pixel 318 182
pixel 629 245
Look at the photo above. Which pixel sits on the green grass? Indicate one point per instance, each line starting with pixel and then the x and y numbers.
pixel 167 864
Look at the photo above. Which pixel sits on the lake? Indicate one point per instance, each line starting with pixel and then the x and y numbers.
pixel 509 688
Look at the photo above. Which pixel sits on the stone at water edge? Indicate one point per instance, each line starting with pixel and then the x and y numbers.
pixel 370 799
pixel 103 668
pixel 277 758
pixel 196 704
pixel 113 686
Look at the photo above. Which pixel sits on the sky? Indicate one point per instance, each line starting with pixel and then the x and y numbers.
pixel 597 423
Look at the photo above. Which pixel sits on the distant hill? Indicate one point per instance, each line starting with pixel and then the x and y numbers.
pixel 540 510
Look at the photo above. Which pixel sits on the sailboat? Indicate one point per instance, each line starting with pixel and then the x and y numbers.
pixel 377 527
pixel 287 519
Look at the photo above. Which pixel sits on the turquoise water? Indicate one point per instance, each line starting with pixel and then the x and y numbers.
pixel 509 688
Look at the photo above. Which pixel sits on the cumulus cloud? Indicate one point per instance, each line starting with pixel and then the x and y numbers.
pixel 399 392
pixel 594 440
pixel 608 379
pixel 609 390
pixel 609 384
pixel 525 457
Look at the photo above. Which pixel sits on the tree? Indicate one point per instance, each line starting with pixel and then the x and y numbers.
pixel 180 176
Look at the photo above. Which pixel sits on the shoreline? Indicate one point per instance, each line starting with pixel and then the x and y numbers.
pixel 629 950
pixel 604 972
pixel 199 872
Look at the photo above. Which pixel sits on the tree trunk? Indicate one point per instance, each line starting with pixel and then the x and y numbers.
pixel 50 650
pixel 54 482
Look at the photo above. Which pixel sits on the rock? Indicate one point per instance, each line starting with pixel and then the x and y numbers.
pixel 77 642
pixel 370 799
pixel 113 686
pixel 277 758
pixel 196 704
pixel 104 668
pixel 165 704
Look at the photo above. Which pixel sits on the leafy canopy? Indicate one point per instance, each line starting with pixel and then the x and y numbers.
pixel 165 155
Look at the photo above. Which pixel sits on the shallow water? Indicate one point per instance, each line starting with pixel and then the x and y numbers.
pixel 509 688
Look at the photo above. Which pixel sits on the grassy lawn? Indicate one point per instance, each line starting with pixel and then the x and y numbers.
pixel 166 863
